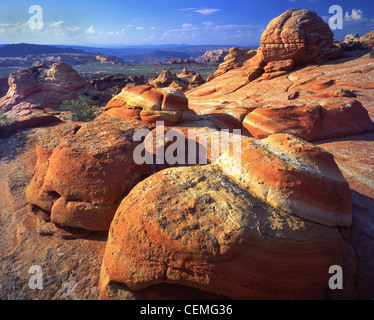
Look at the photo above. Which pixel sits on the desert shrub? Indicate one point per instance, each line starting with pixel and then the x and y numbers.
pixel 4 119
pixel 372 53
pixel 82 109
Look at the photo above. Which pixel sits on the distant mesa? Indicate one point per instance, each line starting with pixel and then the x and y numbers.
pixel 25 55
pixel 25 49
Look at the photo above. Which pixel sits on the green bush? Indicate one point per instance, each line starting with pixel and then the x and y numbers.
pixel 4 120
pixel 82 109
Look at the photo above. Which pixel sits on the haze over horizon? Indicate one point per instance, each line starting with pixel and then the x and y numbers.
pixel 118 23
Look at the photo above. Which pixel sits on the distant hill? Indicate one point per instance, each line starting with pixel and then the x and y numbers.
pixel 158 56
pixel 24 49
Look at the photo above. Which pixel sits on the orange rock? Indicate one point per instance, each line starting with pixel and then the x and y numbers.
pixel 330 118
pixel 50 139
pixel 46 87
pixel 173 100
pixel 150 104
pixel 295 177
pixel 191 226
pixel 123 113
pixel 168 117
pixel 35 193
pixel 89 172
pixel 280 65
pixel 272 75
pixel 234 60
pixel 299 35
pixel 253 67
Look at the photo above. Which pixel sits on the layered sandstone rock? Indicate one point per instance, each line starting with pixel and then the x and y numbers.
pixel 234 59
pixel 294 38
pixel 299 35
pixel 182 82
pixel 242 236
pixel 150 104
pixel 329 118
pixel 369 38
pixel 313 102
pixel 46 87
pixel 88 173
pixel 50 140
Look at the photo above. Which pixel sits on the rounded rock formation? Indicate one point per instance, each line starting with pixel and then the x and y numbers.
pixel 150 104
pixel 88 173
pixel 208 228
pixel 299 35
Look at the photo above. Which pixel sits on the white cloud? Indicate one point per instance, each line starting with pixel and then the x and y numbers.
pixel 73 29
pixel 355 16
pixel 91 30
pixel 58 24
pixel 204 11
pixel 189 9
pixel 207 11
pixel 11 28
pixel 187 25
pixel 139 28
pixel 207 24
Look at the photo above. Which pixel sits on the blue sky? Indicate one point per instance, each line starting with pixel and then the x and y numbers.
pixel 120 23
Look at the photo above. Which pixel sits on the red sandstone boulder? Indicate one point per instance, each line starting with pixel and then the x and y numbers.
pixel 88 174
pixel 46 87
pixel 192 226
pixel 254 67
pixel 234 60
pixel 295 177
pixel 294 38
pixel 329 118
pixel 48 141
pixel 299 35
pixel 150 104
pixel 25 115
